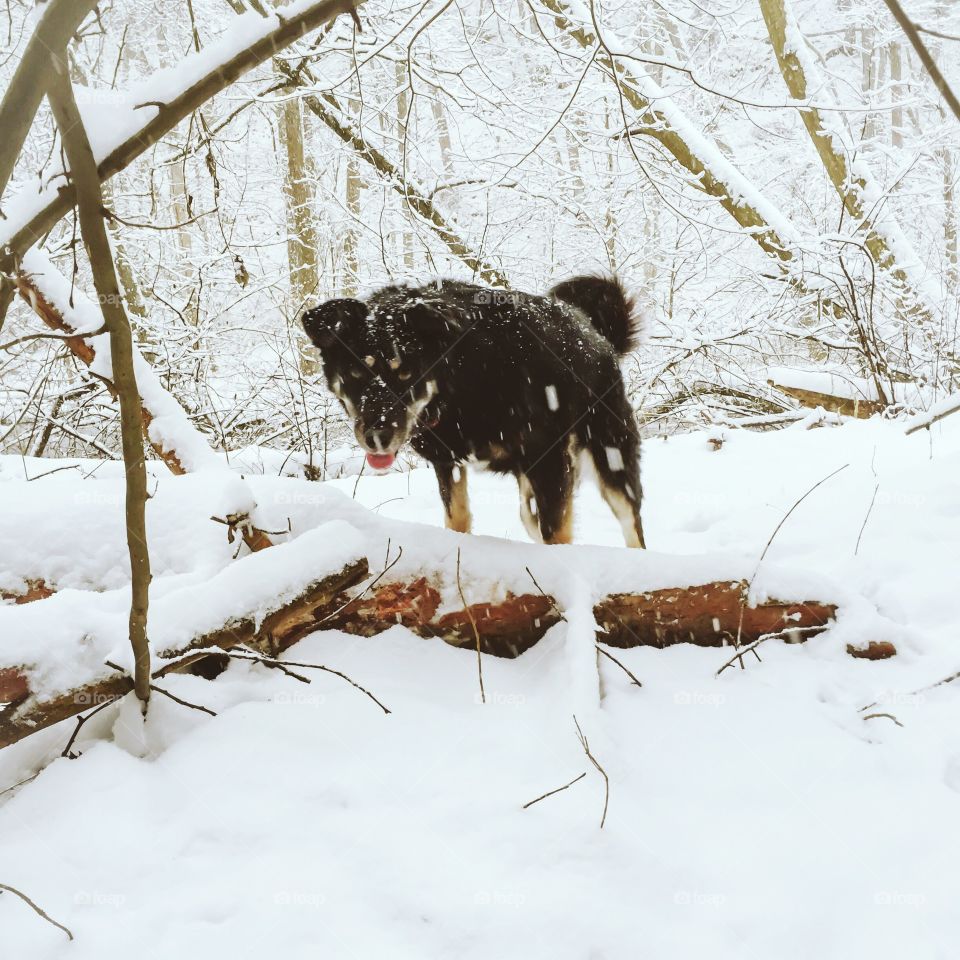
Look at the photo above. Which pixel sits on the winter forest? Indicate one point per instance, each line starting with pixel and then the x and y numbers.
pixel 340 612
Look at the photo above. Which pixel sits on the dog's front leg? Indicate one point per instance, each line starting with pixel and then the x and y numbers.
pixel 452 481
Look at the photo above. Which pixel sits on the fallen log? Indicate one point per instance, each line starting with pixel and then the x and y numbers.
pixel 280 628
pixel 858 407
pixel 709 615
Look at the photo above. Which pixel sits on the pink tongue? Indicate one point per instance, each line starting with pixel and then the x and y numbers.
pixel 380 461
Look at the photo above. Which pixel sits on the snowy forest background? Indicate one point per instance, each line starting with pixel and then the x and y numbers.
pixel 504 124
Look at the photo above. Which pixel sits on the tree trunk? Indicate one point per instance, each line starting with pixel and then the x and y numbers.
pixel 887 246
pixel 897 92
pixel 86 181
pixel 302 243
pixel 350 252
pixel 690 148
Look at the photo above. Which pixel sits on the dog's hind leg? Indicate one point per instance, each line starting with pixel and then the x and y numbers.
pixel 452 481
pixel 528 509
pixel 614 447
pixel 548 485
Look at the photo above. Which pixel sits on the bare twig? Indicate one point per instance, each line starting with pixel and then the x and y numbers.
pixel 550 793
pixel 886 716
pixel 183 703
pixel 606 780
pixel 37 910
pixel 610 656
pixel 49 336
pixel 873 500
pixel 546 596
pixel 273 666
pixel 22 782
pixel 476 632
pixel 270 661
pixel 749 585
pixel 752 648
pixel 81 720
pixel 368 587
pixel 927 420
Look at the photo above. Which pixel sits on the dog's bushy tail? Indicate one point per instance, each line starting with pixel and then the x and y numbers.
pixel 607 306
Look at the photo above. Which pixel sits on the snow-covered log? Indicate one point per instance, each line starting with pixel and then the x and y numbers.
pixel 708 615
pixel 251 607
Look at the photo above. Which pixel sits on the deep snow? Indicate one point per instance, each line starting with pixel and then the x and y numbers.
pixel 752 815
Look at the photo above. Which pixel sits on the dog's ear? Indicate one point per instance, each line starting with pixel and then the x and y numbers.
pixel 435 318
pixel 323 323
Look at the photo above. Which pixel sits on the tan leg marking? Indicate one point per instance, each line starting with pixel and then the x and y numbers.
pixel 458 516
pixel 564 533
pixel 528 507
pixel 625 512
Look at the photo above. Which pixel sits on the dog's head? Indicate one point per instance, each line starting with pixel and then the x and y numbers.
pixel 383 362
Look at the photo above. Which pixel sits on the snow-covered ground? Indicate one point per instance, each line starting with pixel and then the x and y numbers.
pixel 757 814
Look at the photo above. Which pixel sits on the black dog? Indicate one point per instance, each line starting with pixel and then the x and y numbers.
pixel 522 382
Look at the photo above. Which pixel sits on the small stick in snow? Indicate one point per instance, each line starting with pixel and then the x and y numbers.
pixel 41 913
pixel 81 721
pixel 873 500
pixel 20 783
pixel 752 648
pixel 888 716
pixel 368 587
pixel 273 666
pixel 610 656
pixel 553 603
pixel 40 476
pixel 271 661
pixel 917 692
pixel 183 703
pixel 606 780
pixel 927 420
pixel 356 484
pixel 550 793
pixel 749 585
pixel 476 632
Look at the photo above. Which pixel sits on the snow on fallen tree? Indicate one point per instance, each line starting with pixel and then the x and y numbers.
pixel 61 656
pixel 835 391
pixel 503 598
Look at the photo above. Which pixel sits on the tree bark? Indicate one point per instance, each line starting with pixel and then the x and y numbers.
pixel 86 182
pixel 926 58
pixel 58 23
